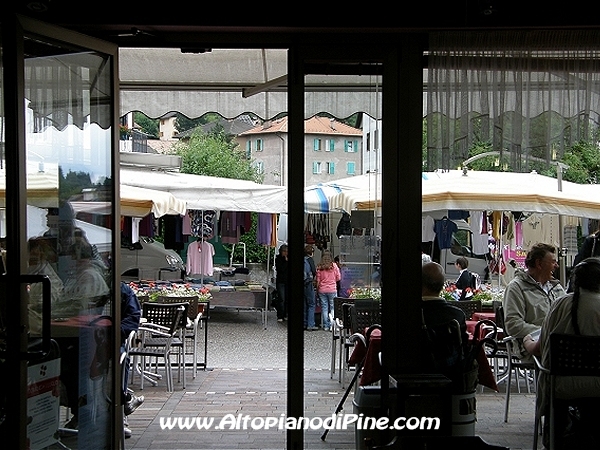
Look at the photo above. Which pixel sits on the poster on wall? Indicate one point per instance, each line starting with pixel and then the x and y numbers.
pixel 43 397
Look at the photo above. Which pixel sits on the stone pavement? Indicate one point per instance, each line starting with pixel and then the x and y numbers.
pixel 247 375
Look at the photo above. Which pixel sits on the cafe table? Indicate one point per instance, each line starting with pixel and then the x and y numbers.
pixel 371 371
pixel 484 315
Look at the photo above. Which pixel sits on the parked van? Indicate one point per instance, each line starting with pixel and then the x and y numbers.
pixel 148 259
pixel 461 246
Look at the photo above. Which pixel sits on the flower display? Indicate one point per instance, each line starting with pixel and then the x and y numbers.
pixel 365 292
pixel 154 291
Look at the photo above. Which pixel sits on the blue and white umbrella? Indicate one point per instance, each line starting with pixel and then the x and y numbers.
pixel 316 197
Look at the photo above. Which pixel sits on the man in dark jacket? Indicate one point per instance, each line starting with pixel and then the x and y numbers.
pixel 131 313
pixel 447 346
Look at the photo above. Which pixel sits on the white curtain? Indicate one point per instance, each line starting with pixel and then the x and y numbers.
pixel 531 94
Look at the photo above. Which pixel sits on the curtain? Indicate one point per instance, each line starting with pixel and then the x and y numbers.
pixel 530 94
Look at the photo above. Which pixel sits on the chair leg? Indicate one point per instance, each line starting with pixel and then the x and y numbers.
pixel 169 373
pixel 195 353
pixel 333 348
pixel 340 356
pixel 508 386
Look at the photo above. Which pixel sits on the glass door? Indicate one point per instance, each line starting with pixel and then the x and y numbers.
pixel 57 348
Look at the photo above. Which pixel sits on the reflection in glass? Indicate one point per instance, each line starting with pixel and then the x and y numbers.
pixel 68 159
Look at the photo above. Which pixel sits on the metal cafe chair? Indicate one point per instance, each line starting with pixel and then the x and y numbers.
pixel 338 333
pixel 469 307
pixel 159 336
pixel 193 324
pixel 571 356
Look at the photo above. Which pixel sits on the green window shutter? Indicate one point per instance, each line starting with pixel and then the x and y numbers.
pixel 350 168
pixel 345 146
pixel 315 167
pixel 331 168
pixel 248 149
pixel 355 146
pixel 316 145
pixel 331 145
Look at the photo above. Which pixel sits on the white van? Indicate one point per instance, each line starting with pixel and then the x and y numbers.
pixel 148 259
pixel 461 246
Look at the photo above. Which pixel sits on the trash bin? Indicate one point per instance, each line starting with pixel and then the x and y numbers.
pixel 464 414
pixel 367 401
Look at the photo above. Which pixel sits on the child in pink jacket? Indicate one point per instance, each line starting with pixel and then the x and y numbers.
pixel 328 275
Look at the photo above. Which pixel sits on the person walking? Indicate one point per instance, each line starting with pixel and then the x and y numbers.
pixel 281 282
pixel 310 271
pixel 328 275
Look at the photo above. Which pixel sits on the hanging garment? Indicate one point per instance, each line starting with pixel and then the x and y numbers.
pixel 427 229
pixel 230 225
pixel 344 227
pixel 202 223
pixel 172 227
pixel 480 240
pixel 444 229
pixel 200 258
pixel 264 229
pixel 273 230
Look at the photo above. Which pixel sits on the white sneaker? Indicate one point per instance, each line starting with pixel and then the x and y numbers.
pixel 126 432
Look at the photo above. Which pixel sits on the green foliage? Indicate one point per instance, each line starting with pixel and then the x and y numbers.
pixel 214 155
pixel 147 125
pixel 72 183
pixel 184 123
pixel 583 159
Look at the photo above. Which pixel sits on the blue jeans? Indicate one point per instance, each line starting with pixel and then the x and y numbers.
pixel 326 306
pixel 282 303
pixel 309 305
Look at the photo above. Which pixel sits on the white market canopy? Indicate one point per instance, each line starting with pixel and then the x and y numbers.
pixel 211 193
pixel 490 191
pixel 43 192
pixel 137 202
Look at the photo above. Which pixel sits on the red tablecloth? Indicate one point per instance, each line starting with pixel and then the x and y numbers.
pixel 372 369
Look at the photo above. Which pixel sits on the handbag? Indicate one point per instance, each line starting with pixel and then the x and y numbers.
pixel 309 236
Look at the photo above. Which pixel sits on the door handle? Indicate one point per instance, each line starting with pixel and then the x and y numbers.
pixel 46 314
pixel 46 344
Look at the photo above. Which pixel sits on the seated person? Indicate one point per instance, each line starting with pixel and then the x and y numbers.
pixel 464 278
pixel 528 296
pixel 448 348
pixel 575 313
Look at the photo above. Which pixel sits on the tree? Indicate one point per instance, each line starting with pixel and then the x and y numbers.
pixel 183 123
pixel 583 159
pixel 148 126
pixel 213 154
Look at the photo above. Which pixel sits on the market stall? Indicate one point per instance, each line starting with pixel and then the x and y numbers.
pixel 209 196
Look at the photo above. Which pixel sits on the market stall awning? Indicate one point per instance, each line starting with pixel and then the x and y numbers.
pixel 136 202
pixel 210 193
pixel 43 192
pixel 490 191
